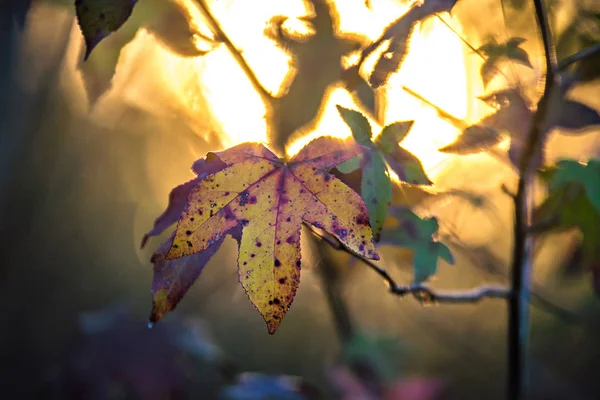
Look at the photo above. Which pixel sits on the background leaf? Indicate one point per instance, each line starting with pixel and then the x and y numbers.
pixel 99 18
pixel 417 233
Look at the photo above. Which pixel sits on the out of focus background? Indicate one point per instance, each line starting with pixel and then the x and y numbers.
pixel 90 150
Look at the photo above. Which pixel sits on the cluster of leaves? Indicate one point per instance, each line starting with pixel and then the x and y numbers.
pixel 261 201
pixel 513 118
pixel 376 156
pixel 574 202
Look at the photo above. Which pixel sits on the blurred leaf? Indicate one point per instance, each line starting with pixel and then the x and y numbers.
pixel 99 18
pixel 516 4
pixel 574 201
pixel 474 139
pixel 588 175
pixel 407 166
pixel 263 387
pixel 417 233
pixel 568 114
pixel 383 354
pixel 173 27
pixel 582 33
pixel 397 35
pixel 502 52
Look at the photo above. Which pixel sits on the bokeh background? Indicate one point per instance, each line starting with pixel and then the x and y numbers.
pixel 89 152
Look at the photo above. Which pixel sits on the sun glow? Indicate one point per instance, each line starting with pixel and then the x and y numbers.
pixel 217 96
pixel 434 68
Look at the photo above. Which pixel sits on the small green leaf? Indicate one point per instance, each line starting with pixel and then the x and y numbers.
pixel 376 189
pixel 99 18
pixel 571 171
pixel 350 166
pixel 417 233
pixel 359 125
pixel 392 134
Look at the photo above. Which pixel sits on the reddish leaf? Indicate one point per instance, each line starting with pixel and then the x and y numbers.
pixel 179 196
pixel 270 199
pixel 173 278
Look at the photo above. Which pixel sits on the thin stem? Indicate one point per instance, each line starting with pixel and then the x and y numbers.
pixel 237 55
pixel 522 260
pixel 583 54
pixel 419 291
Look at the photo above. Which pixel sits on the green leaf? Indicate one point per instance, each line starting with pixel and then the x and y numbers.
pixel 383 354
pixel 571 171
pixel 376 189
pixel 574 202
pixel 99 18
pixel 350 166
pixel 359 125
pixel 392 134
pixel 417 233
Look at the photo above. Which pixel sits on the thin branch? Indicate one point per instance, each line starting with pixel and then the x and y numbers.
pixel 522 259
pixel 579 56
pixel 420 292
pixel 237 54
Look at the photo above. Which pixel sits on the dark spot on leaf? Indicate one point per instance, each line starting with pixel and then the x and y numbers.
pixel 252 200
pixel 277 262
pixel 258 244
pixel 252 255
pixel 298 263
pixel 276 300
pixel 190 244
pixel 290 239
pixel 288 219
pixel 282 280
pixel 244 222
pixel 188 233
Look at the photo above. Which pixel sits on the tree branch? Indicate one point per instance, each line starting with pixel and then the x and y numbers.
pixel 579 56
pixel 420 292
pixel 522 259
pixel 237 55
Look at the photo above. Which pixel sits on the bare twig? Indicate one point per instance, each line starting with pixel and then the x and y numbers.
pixel 221 36
pixel 419 291
pixel 579 56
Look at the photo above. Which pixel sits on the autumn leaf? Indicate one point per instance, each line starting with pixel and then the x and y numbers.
pixel 99 18
pixel 270 199
pixel 417 234
pixel 501 52
pixel 397 36
pixel 376 186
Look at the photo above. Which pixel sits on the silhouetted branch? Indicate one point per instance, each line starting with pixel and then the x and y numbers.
pixel 522 260
pixel 221 36
pixel 579 56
